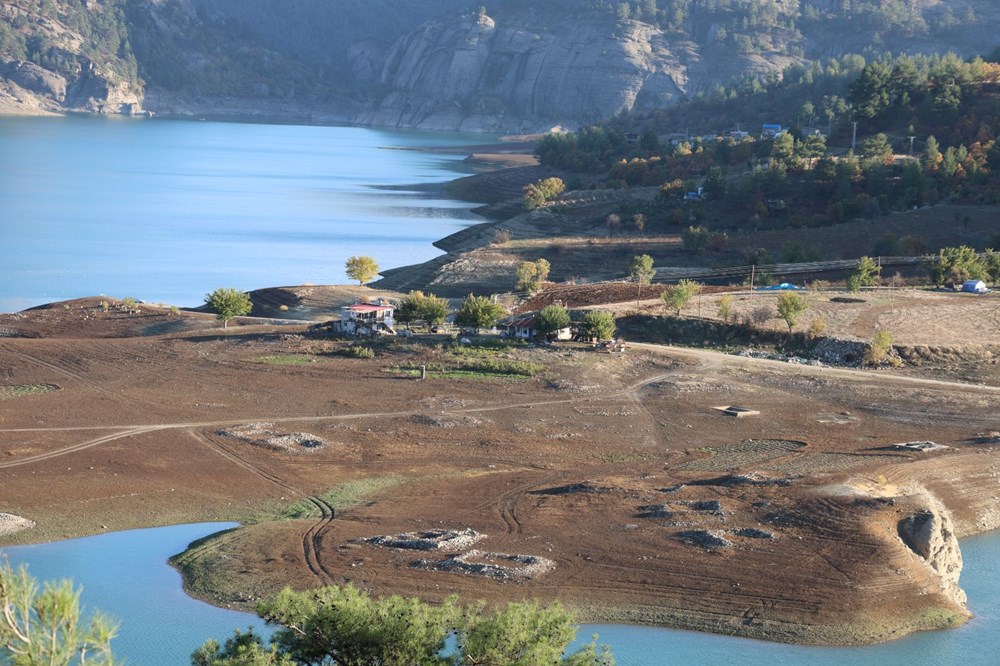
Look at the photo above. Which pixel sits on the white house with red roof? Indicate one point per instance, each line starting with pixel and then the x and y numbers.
pixel 365 319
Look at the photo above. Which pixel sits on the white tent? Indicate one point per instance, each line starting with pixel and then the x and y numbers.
pixel 974 286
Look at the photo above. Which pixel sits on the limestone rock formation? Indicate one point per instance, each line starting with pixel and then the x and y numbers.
pixel 929 533
pixel 475 74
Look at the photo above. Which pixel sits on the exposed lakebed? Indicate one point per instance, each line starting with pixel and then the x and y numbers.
pixel 126 574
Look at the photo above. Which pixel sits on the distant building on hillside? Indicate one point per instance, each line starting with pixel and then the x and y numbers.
pixel 366 319
pixel 770 131
pixel 525 328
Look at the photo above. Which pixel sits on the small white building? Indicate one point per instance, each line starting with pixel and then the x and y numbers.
pixel 525 329
pixel 974 287
pixel 365 319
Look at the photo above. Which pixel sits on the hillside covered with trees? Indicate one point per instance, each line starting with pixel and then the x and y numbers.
pixel 927 133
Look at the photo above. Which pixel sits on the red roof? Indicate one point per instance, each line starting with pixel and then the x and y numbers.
pixel 365 307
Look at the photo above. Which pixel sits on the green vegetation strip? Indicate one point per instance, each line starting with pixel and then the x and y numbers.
pixel 285 359
pixel 479 368
pixel 10 392
pixel 344 496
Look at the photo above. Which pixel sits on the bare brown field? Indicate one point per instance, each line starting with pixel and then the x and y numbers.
pixel 609 482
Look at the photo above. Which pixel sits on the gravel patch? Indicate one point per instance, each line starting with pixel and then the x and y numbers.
pixel 453 540
pixel 9 523
pixel 711 540
pixel 262 434
pixel 498 566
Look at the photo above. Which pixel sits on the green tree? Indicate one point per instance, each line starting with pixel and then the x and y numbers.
pixel 955 265
pixel 531 275
pixel 640 269
pixel 478 312
pixel 598 324
pixel 344 625
pixel 790 308
pixel 678 295
pixel 417 306
pixel 868 272
pixel 992 263
pixel 876 147
pixel 715 183
pixel 552 318
pixel 347 627
pixel 361 268
pixel 537 193
pixel 523 634
pixel 931 159
pixel 725 308
pixel 240 650
pixel 783 153
pixel 43 626
pixel 879 348
pixel 695 239
pixel 228 303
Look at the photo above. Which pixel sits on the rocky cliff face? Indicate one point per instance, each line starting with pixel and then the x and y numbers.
pixel 380 62
pixel 929 533
pixel 478 74
pixel 55 60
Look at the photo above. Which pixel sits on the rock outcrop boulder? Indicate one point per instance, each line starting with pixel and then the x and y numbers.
pixel 929 533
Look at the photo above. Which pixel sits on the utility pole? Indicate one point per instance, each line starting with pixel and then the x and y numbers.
pixel 854 137
pixel 911 138
pixel 752 270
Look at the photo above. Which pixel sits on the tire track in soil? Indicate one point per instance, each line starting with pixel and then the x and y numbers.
pixel 312 538
pixel 81 446
pixel 66 372
pixel 506 504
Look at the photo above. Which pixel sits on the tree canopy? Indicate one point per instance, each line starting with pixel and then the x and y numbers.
pixel 640 269
pixel 598 324
pixel 479 312
pixel 790 308
pixel 43 625
pixel 531 274
pixel 343 626
pixel 552 318
pixel 361 268
pixel 678 295
pixel 417 306
pixel 227 303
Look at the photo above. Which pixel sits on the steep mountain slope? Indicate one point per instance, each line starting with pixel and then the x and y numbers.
pixel 448 64
pixel 60 55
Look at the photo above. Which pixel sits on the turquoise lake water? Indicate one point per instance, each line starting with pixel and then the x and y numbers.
pixel 126 574
pixel 166 211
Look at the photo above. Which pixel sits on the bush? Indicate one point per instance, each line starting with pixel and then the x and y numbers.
pixel 879 348
pixel 357 351
pixel 817 328
pixel 725 308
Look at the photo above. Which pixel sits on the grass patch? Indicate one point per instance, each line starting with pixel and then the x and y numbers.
pixel 483 367
pixel 12 391
pixel 344 496
pixel 285 359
